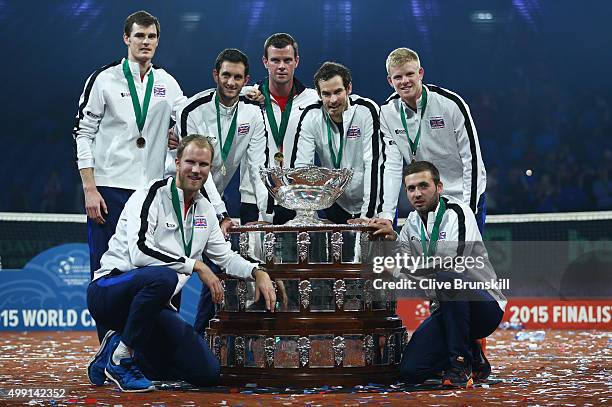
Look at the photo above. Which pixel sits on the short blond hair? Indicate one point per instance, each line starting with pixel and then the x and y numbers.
pixel 197 139
pixel 400 56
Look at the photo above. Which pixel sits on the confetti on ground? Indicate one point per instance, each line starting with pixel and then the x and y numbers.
pixel 567 367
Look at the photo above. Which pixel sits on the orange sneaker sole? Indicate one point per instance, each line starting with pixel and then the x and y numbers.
pixel 468 385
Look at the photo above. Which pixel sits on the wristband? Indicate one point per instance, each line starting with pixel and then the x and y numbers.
pixel 222 216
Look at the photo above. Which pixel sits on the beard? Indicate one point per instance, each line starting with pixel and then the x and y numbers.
pixel 189 185
pixel 432 205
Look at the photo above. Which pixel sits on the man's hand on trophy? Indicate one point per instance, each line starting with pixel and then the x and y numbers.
pixel 226 224
pixel 264 286
pixel 384 228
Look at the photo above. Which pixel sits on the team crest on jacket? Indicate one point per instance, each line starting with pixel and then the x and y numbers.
pixel 442 236
pixel 436 122
pixel 243 129
pixel 159 91
pixel 353 132
pixel 200 222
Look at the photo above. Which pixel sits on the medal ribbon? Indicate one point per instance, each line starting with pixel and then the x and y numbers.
pixel 277 132
pixel 335 160
pixel 415 145
pixel 141 115
pixel 225 147
pixel 176 204
pixel 435 232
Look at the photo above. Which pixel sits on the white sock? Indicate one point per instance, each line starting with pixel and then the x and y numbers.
pixel 121 352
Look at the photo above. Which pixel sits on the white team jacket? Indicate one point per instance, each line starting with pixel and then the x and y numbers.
pixel 105 129
pixel 303 98
pixel 363 150
pixel 198 115
pixel 448 140
pixel 148 234
pixel 458 236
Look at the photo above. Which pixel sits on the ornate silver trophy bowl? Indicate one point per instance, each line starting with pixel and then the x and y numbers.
pixel 305 189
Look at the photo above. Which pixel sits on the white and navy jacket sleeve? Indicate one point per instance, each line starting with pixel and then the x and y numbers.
pixel 462 229
pixel 256 158
pixel 391 173
pixel 190 121
pixel 474 174
pixel 91 110
pixel 373 156
pixel 187 120
pixel 305 136
pixel 220 252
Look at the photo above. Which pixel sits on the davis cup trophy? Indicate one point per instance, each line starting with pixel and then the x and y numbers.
pixel 330 327
pixel 306 189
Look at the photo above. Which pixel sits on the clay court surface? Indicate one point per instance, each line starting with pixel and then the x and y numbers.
pixel 567 368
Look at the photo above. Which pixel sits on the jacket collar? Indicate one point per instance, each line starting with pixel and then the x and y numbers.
pixel 135 68
pixel 297 85
pixel 196 198
pixel 225 110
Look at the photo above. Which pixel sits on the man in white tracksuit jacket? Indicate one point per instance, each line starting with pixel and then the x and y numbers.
pixel 162 234
pixel 457 277
pixel 121 131
pixel 429 123
pixel 344 131
pixel 235 126
pixel 284 98
pixel 205 111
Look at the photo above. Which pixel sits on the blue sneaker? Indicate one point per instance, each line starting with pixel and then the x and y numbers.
pixel 128 376
pixel 95 368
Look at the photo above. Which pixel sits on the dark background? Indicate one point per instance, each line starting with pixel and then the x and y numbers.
pixel 536 75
